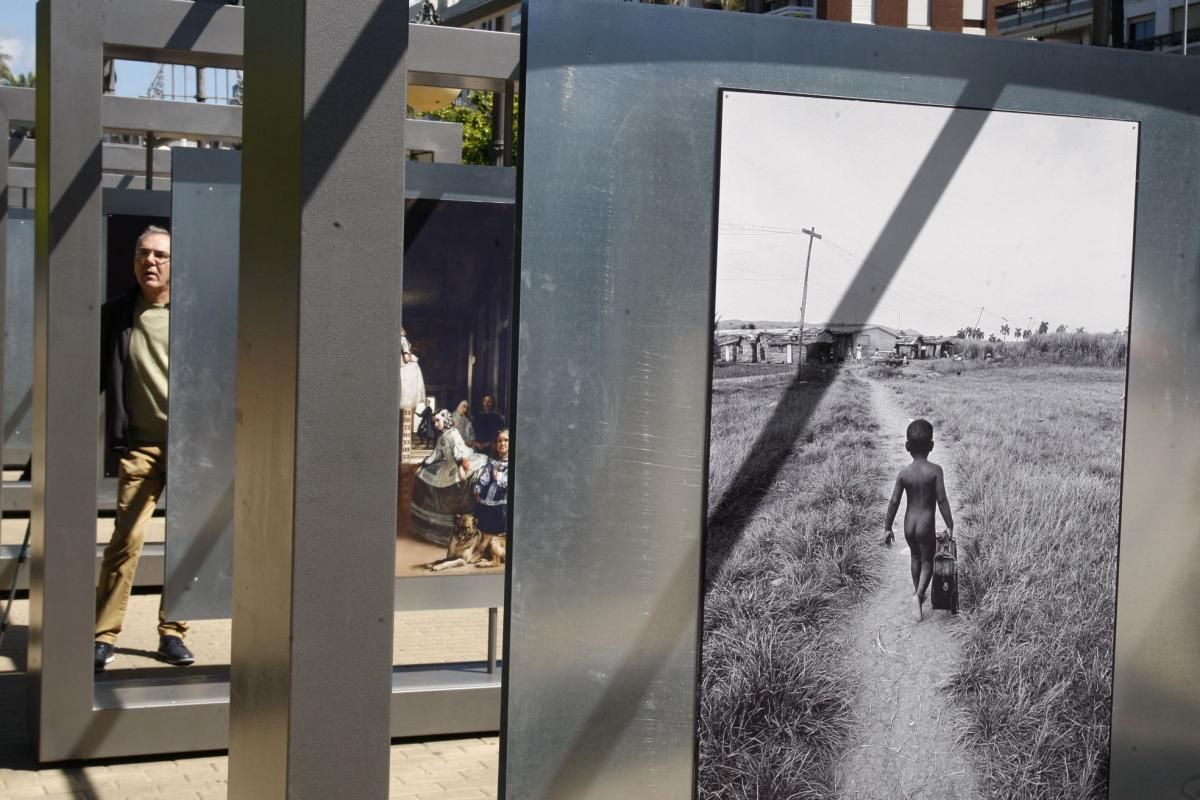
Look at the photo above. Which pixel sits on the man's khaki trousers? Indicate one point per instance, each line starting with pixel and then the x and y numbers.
pixel 140 481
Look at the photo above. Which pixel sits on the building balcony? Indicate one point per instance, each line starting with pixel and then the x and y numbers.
pixel 1043 18
pixel 1168 43
pixel 803 9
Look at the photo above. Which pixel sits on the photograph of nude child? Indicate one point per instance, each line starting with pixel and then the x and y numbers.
pixel 919 353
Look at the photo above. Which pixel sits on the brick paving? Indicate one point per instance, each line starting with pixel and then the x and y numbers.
pixel 443 769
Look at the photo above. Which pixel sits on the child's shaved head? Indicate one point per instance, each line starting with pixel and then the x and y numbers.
pixel 920 437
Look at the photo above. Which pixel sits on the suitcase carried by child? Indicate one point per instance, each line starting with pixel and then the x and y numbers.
pixel 945 574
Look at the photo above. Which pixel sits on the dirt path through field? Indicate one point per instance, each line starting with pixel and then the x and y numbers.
pixel 906 743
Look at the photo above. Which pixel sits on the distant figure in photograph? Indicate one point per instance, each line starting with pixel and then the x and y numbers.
pixel 925 485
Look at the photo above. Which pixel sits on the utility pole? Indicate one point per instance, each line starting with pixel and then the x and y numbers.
pixel 979 319
pixel 812 234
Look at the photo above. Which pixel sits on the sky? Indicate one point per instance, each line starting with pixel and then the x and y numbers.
pixel 1036 222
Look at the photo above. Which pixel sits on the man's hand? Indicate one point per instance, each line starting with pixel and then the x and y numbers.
pixel 889 537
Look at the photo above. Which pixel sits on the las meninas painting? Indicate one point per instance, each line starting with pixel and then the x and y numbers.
pixel 919 364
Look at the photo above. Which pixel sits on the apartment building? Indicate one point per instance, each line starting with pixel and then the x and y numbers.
pixel 1150 25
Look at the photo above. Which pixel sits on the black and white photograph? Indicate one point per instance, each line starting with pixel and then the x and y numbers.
pixel 915 453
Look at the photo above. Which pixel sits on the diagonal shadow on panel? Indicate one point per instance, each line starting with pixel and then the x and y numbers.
pixel 354 86
pixel 72 201
pixel 654 645
pixel 192 26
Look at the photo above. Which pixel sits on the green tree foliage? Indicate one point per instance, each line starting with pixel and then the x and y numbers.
pixel 475 115
pixel 9 78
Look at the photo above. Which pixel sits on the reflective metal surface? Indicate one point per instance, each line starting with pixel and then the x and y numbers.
pixel 621 113
pixel 18 337
pixel 317 399
pixel 205 203
pixel 66 375
pixel 472 184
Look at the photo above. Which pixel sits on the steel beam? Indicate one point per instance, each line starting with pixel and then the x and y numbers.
pixel 472 12
pixel 317 398
pixel 442 139
pixel 18 104
pixel 25 178
pixel 66 372
pixel 122 158
pixel 172 119
pixel 464 59
pixel 202 34
pixel 149 571
pixel 466 182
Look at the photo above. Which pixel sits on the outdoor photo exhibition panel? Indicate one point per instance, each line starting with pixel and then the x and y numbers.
pixel 78 715
pixel 1012 425
pixel 18 342
pixel 619 232
pixel 458 263
pixel 205 204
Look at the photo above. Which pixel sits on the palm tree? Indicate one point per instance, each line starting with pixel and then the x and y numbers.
pixel 1043 327
pixel 6 73
pixel 24 80
pixel 1005 330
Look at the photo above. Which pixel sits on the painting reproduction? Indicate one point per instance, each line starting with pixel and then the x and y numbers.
pixel 919 351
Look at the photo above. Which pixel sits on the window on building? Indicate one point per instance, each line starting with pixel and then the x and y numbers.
pixel 1141 27
pixel 1193 21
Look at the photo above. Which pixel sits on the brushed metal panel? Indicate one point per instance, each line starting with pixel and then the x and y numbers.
pixel 18 337
pixel 66 372
pixel 205 204
pixel 464 182
pixel 621 109
pixel 317 393
pixel 18 103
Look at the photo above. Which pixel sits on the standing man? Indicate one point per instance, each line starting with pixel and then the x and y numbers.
pixel 488 423
pixel 134 332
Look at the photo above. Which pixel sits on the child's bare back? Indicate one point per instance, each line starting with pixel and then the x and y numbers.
pixel 924 485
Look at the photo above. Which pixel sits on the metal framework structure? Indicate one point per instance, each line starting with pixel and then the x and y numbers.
pixel 344 150
pixel 613 713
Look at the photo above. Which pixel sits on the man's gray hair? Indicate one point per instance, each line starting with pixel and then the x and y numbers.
pixel 150 231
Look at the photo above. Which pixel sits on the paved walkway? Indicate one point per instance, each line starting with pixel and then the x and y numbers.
pixel 449 769
pixel 908 737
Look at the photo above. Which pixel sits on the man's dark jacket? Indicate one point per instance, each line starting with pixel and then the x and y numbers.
pixel 116 325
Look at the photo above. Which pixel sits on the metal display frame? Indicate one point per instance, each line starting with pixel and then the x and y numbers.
pixel 623 100
pixel 74 714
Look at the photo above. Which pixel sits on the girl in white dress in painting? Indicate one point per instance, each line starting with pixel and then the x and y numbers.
pixel 444 482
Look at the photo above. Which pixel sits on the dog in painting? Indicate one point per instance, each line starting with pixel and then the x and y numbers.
pixel 469 545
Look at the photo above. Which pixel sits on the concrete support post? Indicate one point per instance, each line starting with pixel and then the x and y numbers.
pixel 66 370
pixel 317 399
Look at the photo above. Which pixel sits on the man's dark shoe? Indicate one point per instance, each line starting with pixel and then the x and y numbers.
pixel 104 654
pixel 174 651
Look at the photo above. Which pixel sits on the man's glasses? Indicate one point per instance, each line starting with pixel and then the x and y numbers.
pixel 145 252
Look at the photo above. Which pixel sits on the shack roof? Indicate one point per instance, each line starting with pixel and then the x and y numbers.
pixel 844 328
pixel 938 339
pixel 724 338
pixel 908 341
pixel 785 336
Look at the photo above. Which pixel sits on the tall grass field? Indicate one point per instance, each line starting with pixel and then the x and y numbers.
pixel 1082 348
pixel 1036 494
pixel 794 499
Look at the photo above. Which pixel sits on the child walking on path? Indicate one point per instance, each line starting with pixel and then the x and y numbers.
pixel 925 486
